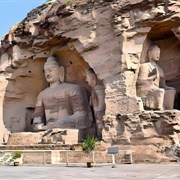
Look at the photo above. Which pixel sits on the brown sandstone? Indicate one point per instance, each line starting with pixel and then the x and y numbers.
pixel 112 37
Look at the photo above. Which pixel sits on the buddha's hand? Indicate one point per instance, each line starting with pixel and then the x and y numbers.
pixel 153 75
pixel 40 127
pixel 37 120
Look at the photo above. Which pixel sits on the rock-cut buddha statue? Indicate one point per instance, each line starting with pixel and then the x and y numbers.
pixel 97 100
pixel 61 105
pixel 151 84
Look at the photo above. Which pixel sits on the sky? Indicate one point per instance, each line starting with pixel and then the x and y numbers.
pixel 13 11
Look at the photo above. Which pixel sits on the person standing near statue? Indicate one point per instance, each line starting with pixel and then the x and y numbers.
pixel 97 100
pixel 61 105
pixel 151 84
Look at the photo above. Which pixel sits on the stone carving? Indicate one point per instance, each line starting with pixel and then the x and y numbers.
pixel 97 100
pixel 108 36
pixel 61 105
pixel 151 85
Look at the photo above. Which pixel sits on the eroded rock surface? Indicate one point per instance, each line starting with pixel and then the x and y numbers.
pixel 112 37
pixel 156 133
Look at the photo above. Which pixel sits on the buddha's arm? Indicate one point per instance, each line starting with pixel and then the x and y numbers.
pixel 144 73
pixel 38 115
pixel 74 121
pixel 70 122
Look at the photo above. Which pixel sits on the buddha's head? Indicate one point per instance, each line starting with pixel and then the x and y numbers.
pixel 91 77
pixel 53 72
pixel 154 53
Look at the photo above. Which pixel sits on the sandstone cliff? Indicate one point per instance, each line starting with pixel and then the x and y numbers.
pixel 112 37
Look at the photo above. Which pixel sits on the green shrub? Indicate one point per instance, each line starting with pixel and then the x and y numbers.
pixel 89 144
pixel 69 1
pixel 16 154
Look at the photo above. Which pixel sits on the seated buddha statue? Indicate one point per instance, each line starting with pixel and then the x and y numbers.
pixel 151 84
pixel 61 105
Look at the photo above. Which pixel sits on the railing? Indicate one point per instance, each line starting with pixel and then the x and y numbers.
pixel 66 157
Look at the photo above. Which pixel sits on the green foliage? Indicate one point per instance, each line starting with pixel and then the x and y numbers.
pixel 20 25
pixel 89 144
pixel 16 154
pixel 69 1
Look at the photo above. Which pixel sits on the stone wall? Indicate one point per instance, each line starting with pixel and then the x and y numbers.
pixel 69 157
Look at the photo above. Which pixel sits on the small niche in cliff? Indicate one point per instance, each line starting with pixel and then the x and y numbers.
pixel 162 30
pixel 162 35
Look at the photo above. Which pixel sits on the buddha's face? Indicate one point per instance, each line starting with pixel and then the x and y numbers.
pixel 154 54
pixel 91 79
pixel 51 73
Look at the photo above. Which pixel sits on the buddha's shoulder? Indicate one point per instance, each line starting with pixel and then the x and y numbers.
pixel 62 87
pixel 44 92
pixel 71 86
pixel 146 65
pixel 72 89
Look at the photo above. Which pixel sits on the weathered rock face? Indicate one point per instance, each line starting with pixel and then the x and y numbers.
pixel 112 37
pixel 155 133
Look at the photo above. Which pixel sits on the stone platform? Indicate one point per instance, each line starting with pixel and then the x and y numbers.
pixel 54 136
pixel 150 135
